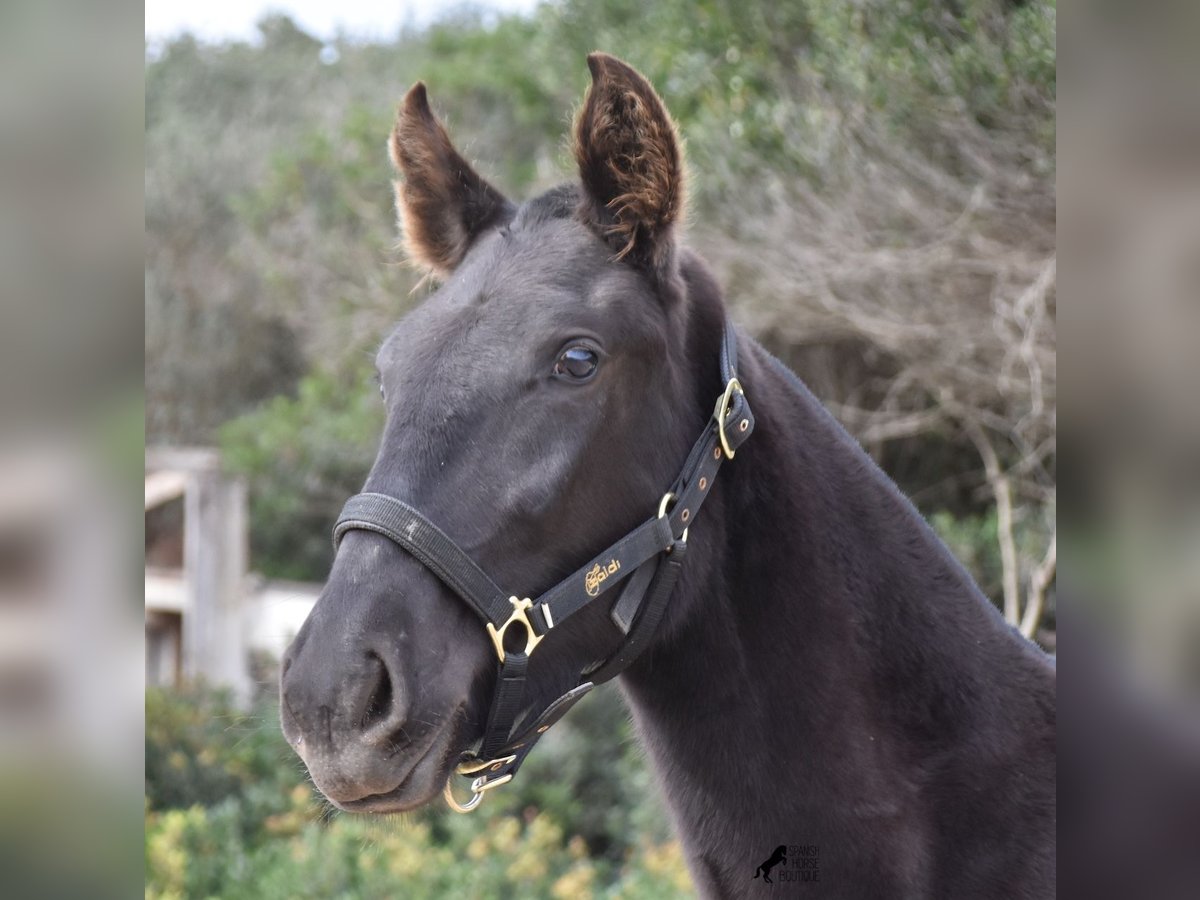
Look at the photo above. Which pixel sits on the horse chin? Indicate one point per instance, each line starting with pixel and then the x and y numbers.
pixel 420 784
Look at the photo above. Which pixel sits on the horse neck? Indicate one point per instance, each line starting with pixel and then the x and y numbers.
pixel 819 633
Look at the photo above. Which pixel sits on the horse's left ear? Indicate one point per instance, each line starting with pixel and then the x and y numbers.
pixel 631 163
pixel 442 203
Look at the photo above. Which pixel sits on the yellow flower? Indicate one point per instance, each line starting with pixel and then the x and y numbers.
pixel 575 883
pixel 478 848
pixel 505 835
pixel 168 857
pixel 544 834
pixel 527 865
pixel 577 847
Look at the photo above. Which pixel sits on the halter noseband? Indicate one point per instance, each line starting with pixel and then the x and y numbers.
pixel 646 561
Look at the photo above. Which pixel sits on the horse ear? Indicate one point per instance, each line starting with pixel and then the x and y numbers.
pixel 442 204
pixel 631 163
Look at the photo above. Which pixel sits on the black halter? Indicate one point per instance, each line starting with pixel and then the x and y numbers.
pixel 646 561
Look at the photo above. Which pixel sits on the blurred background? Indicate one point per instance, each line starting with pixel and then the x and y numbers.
pixel 876 185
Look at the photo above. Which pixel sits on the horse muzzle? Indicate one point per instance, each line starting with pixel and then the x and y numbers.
pixel 373 736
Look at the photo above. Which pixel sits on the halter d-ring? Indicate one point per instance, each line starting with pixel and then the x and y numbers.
pixel 452 801
pixel 479 786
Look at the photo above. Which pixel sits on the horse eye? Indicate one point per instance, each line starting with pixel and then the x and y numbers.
pixel 577 363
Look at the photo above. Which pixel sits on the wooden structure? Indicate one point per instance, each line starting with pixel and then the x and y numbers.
pixel 196 559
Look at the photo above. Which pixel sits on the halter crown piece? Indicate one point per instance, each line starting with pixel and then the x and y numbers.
pixel 646 563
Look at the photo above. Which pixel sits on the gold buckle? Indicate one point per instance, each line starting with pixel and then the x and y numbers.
pixel 518 615
pixel 668 498
pixel 472 766
pixel 722 412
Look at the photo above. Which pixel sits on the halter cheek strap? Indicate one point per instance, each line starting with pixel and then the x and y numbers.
pixel 645 564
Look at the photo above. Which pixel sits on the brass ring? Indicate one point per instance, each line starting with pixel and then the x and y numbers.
pixel 722 412
pixel 452 802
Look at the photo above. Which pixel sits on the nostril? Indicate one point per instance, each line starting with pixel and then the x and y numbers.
pixel 379 701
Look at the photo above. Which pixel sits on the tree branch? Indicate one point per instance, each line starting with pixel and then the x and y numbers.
pixel 1002 491
pixel 1039 581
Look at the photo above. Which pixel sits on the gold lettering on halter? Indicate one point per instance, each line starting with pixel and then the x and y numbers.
pixel 598 574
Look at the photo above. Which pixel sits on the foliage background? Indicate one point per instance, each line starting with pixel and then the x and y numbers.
pixel 874 183
pixel 230 813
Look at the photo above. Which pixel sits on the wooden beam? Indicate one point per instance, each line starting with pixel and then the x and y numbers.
pixel 163 487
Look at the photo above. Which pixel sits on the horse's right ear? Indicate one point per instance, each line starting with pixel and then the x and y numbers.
pixel 442 204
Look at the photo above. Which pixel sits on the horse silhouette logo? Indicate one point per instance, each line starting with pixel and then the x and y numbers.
pixel 778 858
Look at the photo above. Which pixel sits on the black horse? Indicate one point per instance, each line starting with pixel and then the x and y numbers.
pixel 825 672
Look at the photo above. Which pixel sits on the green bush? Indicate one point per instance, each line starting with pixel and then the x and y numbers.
pixel 303 456
pixel 202 751
pixel 201 852
pixel 230 814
